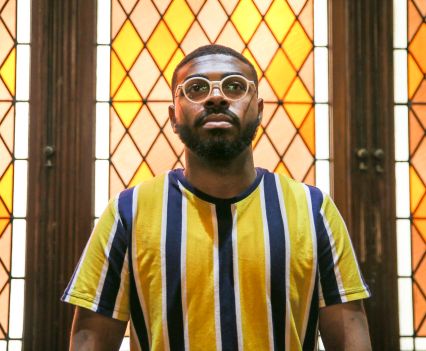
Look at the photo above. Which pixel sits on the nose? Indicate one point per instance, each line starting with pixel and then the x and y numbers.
pixel 216 100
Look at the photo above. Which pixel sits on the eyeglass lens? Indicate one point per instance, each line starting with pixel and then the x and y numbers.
pixel 198 89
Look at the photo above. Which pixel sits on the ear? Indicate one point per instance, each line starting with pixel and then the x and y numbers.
pixel 172 117
pixel 259 109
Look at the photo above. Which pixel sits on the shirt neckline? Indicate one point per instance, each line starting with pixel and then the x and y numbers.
pixel 180 177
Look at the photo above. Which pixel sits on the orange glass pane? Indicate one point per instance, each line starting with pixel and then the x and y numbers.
pixel 298 159
pixel 4 308
pixel 296 5
pixel 419 160
pixel 306 73
pixel 416 132
pixel 144 73
pixel 310 176
pixel 128 5
pixel 8 15
pixel 420 111
pixel 247 54
pixel 179 18
pixel 264 154
pixel 117 130
pixel 230 37
pixel 145 18
pixel 161 45
pixel 168 72
pixel 7 72
pixel 418 247
pixel 297 45
pixel 118 16
pixel 144 130
pixel 6 157
pixel 258 135
pixel 417 47
pixel 127 53
pixel 414 19
pixel 307 131
pixel 421 227
pixel 117 73
pixel 421 5
pixel 212 25
pixel 415 76
pixel 417 189
pixel 420 95
pixel 280 18
pixel 173 139
pixel 194 39
pixel 115 183
pixel 306 18
pixel 280 73
pixel 246 18
pixel 6 42
pixel 281 131
pixel 263 46
pixel 161 156
pixel 419 302
pixel 421 209
pixel 126 159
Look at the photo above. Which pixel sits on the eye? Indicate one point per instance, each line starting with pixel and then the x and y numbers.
pixel 196 88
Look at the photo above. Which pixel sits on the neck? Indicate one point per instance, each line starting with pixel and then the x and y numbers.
pixel 220 179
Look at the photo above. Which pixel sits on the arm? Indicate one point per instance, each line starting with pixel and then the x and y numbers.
pixel 92 331
pixel 344 327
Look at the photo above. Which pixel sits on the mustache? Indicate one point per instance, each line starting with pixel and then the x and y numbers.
pixel 199 121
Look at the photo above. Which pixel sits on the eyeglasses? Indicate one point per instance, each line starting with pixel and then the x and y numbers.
pixel 198 89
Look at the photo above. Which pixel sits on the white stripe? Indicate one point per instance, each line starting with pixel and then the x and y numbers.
pixel 183 267
pixel 236 279
pixel 107 250
pixel 216 279
pixel 123 282
pixel 335 257
pixel 287 261
pixel 314 265
pixel 135 265
pixel 267 266
pixel 163 263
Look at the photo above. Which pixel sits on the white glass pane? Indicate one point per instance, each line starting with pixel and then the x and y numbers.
pixel 403 239
pixel 102 130
pixel 125 345
pixel 102 73
pixel 23 72
pixel 18 247
pixel 24 21
pixel 321 74
pixel 399 23
pixel 322 128
pixel 101 187
pixel 17 306
pixel 405 306
pixel 402 190
pixel 15 345
pixel 420 343
pixel 320 23
pixel 322 175
pixel 406 344
pixel 3 345
pixel 104 20
pixel 21 130
pixel 400 76
pixel 401 133
pixel 20 189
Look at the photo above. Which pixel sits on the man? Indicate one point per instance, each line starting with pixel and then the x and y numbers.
pixel 220 255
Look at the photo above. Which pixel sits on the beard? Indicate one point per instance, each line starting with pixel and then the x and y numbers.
pixel 218 145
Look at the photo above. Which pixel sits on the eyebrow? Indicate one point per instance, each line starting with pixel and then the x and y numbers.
pixel 222 76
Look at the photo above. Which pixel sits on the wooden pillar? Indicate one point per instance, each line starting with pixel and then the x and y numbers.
pixel 60 193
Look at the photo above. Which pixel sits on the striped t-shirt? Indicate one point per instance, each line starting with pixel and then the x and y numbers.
pixel 194 272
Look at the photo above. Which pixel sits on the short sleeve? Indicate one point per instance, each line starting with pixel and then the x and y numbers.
pixel 101 279
pixel 340 277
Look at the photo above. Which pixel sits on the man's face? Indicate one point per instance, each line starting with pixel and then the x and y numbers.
pixel 217 129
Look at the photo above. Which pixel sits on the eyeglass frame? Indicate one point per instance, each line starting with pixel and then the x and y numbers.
pixel 213 83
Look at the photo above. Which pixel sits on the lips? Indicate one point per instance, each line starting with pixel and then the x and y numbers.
pixel 219 120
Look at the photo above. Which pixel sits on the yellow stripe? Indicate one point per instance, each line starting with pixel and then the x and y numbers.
pixel 87 280
pixel 199 275
pixel 147 224
pixel 301 255
pixel 251 269
pixel 347 264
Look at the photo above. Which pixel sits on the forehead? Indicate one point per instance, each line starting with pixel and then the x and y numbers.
pixel 214 67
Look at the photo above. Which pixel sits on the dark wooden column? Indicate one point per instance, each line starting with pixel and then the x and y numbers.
pixel 362 108
pixel 60 162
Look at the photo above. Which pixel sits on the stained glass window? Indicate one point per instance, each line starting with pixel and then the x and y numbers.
pixel 140 43
pixel 410 153
pixel 14 90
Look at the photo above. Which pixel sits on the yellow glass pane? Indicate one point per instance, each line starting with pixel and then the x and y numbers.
pixel 310 176
pixel 280 18
pixel 280 74
pixel 247 54
pixel 281 168
pixel 4 213
pixel 297 112
pixel 4 92
pixel 417 47
pixel 415 76
pixel 3 224
pixel 168 72
pixel 127 111
pixel 5 157
pixel 179 18
pixel 257 136
pixel 246 18
pixel 127 92
pixel 7 71
pixel 297 45
pixel 307 131
pixel 117 73
pixel 127 44
pixel 161 45
pixel 417 189
pixel 6 187
pixel 306 73
pixel 142 174
pixel 297 92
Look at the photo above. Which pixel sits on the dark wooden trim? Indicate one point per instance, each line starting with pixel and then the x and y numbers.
pixel 60 196
pixel 362 117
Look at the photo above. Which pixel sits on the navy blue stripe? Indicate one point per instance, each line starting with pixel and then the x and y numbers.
pixel 277 260
pixel 311 330
pixel 125 208
pixel 228 321
pixel 173 265
pixel 329 286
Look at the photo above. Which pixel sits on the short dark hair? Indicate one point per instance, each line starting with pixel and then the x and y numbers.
pixel 212 49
